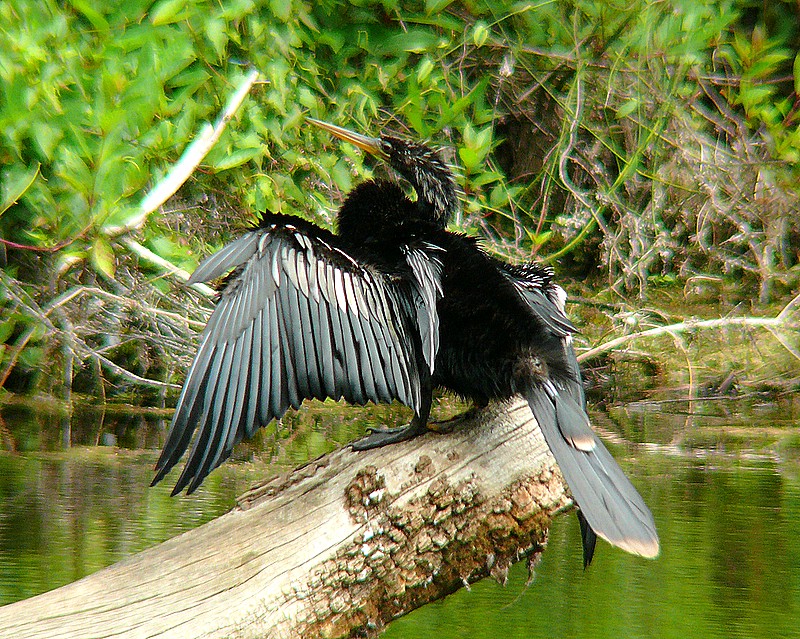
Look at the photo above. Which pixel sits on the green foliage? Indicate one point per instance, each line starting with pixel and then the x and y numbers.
pixel 566 123
pixel 758 63
pixel 122 90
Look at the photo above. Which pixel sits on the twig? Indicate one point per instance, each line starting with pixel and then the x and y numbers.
pixel 43 315
pixel 790 307
pixel 38 312
pixel 739 397
pixel 783 341
pixel 692 391
pixel 116 368
pixel 146 254
pixel 137 304
pixel 565 156
pixel 174 179
pixel 192 156
pixel 617 307
pixel 689 325
pixel 14 354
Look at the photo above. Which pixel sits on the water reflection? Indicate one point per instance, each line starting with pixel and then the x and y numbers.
pixel 66 516
pixel 729 521
pixel 728 569
pixel 50 427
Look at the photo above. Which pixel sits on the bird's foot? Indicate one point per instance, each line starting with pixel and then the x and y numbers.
pixel 383 436
pixel 449 425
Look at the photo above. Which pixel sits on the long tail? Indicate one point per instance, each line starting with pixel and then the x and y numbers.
pixel 610 505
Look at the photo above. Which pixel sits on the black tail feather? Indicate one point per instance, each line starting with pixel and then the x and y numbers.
pixel 611 506
pixel 588 540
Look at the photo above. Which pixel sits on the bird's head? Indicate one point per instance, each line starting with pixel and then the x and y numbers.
pixel 422 166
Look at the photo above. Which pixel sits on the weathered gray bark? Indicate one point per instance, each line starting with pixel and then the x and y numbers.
pixel 347 542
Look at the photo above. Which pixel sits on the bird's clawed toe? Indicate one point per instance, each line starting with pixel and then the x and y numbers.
pixel 378 437
pixel 449 425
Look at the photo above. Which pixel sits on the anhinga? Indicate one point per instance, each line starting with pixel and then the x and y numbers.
pixel 391 307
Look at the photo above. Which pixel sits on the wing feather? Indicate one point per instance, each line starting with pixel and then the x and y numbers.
pixel 265 370
pixel 242 363
pixel 251 418
pixel 352 389
pixel 310 322
pixel 324 346
pixel 293 396
pixel 226 259
pixel 277 389
pixel 337 348
pixel 299 318
pixel 372 349
pixel 392 347
pixel 542 297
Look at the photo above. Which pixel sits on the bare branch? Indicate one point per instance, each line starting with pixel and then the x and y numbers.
pixel 192 156
pixel 146 254
pixel 133 377
pixel 691 325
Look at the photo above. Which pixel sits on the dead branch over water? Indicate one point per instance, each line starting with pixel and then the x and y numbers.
pixel 785 321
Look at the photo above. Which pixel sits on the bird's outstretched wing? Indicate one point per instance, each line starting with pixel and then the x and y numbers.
pixel 299 318
pixel 610 505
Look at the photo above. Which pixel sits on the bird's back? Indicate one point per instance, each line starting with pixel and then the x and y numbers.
pixel 486 326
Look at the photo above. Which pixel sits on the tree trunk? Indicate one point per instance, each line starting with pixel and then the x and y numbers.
pixel 339 546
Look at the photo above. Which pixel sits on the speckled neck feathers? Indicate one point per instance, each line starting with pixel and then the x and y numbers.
pixel 428 174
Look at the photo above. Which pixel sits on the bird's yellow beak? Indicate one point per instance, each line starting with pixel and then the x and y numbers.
pixel 363 142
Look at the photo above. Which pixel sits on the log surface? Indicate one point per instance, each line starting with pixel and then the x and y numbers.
pixel 343 544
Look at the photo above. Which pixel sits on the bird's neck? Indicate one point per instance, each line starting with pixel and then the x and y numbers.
pixel 436 194
pixel 377 211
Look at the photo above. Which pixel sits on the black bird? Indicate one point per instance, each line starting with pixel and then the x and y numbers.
pixel 390 308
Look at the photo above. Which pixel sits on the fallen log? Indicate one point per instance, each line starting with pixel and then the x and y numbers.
pixel 341 545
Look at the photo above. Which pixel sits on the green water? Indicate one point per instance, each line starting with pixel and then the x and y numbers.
pixel 730 567
pixel 74 498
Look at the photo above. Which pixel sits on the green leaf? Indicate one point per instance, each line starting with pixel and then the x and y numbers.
pixel 281 9
pixel 102 257
pixel 123 216
pixel 237 158
pixel 477 145
pixel 469 136
pixel 500 196
pixel 414 41
pixel 469 158
pixel 485 177
pixel 436 6
pixel 341 175
pixel 216 32
pixel 307 98
pixel 480 34
pixel 6 330
pixel 16 184
pixel 169 11
pixel 31 357
pixel 538 239
pixel 91 14
pixel 484 140
pixel 424 70
pixel 752 96
pixel 797 74
pixel 628 107
pixel 47 137
pixel 68 258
